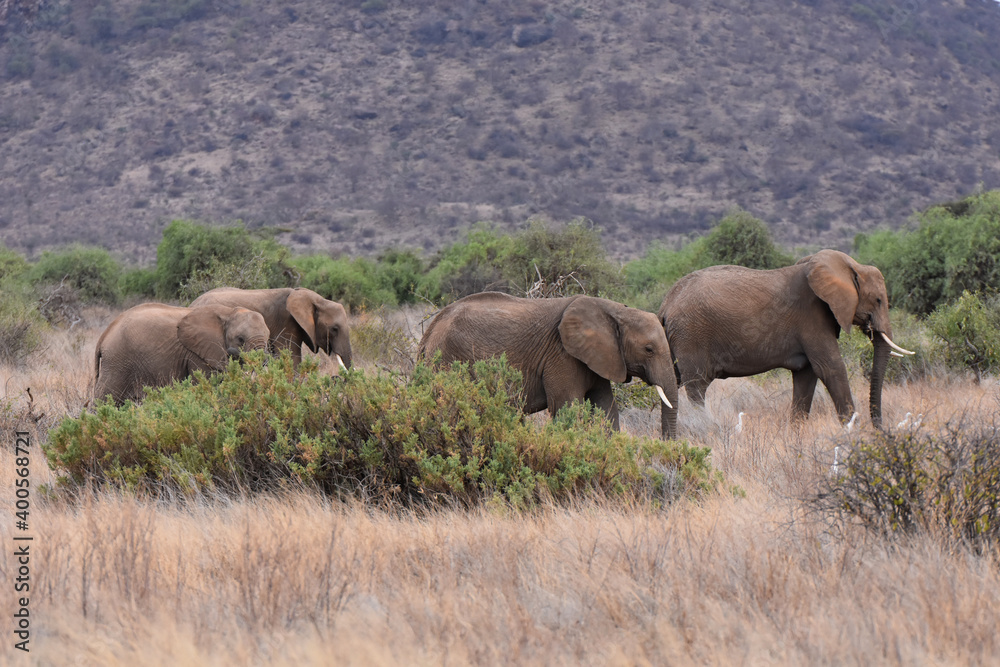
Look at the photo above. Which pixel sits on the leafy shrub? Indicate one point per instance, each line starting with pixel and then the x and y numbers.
pixel 12 265
pixel 549 256
pixel 199 255
pixel 356 283
pixel 907 330
pixel 908 481
pixel 92 272
pixel 447 435
pixel 741 239
pixel 138 282
pixel 20 322
pixel 400 271
pixel 467 268
pixel 651 276
pixel 956 248
pixel 970 329
pixel 552 261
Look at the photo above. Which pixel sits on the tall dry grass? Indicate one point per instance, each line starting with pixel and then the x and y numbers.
pixel 298 579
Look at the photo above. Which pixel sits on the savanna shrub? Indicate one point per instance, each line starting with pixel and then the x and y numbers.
pixel 203 256
pixel 454 435
pixel 906 481
pixel 467 268
pixel 376 339
pixel 356 283
pixel 970 330
pixel 741 239
pixel 20 322
pixel 956 248
pixel 908 331
pixel 92 272
pixel 651 276
pixel 12 265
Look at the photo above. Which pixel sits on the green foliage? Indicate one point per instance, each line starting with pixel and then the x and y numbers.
pixel 908 481
pixel 138 282
pixel 540 260
pixel 970 329
pixel 193 256
pixel 650 276
pixel 12 265
pixel 356 283
pixel 738 238
pixel 454 435
pixel 908 331
pixel 400 270
pixel 956 248
pixel 562 262
pixel 20 322
pixel 741 239
pixel 92 272
pixel 467 268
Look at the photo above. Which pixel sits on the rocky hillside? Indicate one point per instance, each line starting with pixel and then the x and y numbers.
pixel 356 125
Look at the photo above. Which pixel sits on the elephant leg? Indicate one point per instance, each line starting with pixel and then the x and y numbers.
pixel 803 388
pixel 604 398
pixel 839 386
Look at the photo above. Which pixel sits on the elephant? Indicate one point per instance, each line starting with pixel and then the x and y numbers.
pixel 294 316
pixel 567 349
pixel 731 321
pixel 154 344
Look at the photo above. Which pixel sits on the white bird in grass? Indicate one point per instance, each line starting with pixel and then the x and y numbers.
pixel 739 423
pixel 915 425
pixel 905 422
pixel 836 452
pixel 848 427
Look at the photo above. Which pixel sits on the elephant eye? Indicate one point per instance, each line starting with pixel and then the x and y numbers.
pixel 240 340
pixel 649 349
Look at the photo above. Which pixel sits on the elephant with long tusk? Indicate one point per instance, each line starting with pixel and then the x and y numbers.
pixel 731 321
pixel 567 349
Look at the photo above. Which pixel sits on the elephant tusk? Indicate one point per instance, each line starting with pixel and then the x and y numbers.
pixel 894 353
pixel 340 361
pixel 663 397
pixel 894 346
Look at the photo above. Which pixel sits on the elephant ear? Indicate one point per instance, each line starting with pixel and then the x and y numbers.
pixel 834 279
pixel 302 306
pixel 202 332
pixel 590 333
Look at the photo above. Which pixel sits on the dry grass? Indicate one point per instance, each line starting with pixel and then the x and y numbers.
pixel 297 579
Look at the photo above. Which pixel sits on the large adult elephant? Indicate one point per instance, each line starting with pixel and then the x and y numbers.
pixel 567 349
pixel 731 321
pixel 294 316
pixel 154 344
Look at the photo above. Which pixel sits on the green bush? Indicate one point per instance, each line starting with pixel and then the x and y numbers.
pixel 651 276
pixel 955 248
pixel 467 268
pixel 138 282
pixel 356 283
pixel 741 239
pixel 20 322
pixel 92 272
pixel 970 330
pixel 193 256
pixel 908 481
pixel 400 271
pixel 908 331
pixel 448 435
pixel 12 265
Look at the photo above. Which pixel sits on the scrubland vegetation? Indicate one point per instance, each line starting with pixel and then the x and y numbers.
pixel 395 514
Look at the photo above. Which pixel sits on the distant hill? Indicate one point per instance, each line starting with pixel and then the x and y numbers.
pixel 365 124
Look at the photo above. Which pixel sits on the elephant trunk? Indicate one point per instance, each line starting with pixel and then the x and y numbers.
pixel 668 414
pixel 879 363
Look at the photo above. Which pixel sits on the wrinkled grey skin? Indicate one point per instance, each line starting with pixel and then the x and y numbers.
pixel 294 316
pixel 566 349
pixel 731 321
pixel 154 344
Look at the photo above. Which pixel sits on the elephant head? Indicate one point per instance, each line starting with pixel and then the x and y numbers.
pixel 216 333
pixel 324 323
pixel 619 343
pixel 857 296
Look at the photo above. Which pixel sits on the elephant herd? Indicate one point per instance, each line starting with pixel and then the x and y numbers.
pixel 719 322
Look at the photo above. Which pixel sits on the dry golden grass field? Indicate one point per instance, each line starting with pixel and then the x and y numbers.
pixel 299 579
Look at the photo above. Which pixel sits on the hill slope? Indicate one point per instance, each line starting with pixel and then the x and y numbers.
pixel 359 125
